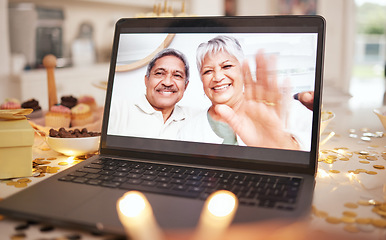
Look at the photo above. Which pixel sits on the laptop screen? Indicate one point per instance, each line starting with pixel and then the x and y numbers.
pixel 180 87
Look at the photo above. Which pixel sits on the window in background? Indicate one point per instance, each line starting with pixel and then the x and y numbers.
pixel 368 79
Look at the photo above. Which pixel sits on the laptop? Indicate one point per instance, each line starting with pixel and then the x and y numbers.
pixel 177 175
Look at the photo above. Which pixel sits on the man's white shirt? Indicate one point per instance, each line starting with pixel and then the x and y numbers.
pixel 138 118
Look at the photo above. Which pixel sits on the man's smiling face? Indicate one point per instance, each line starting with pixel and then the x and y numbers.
pixel 166 84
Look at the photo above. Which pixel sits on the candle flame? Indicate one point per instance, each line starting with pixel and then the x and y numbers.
pixel 222 203
pixel 132 204
pixel 70 160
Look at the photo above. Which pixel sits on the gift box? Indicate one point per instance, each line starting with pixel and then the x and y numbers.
pixel 16 140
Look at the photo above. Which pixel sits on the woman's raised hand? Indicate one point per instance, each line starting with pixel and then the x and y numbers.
pixel 258 122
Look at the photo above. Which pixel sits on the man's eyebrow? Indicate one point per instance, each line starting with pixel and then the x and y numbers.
pixel 160 68
pixel 179 71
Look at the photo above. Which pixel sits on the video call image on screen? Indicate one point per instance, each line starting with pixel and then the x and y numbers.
pixel 218 81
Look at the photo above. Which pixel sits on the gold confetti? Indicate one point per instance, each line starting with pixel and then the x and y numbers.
pixel 21 185
pixel 346 219
pixel 334 171
pixel 380 209
pixel 24 180
pixel 40 175
pixel 382 206
pixel 53 170
pixel 374 202
pixel 351 228
pixel 364 202
pixel 41 162
pixel 11 183
pixel 321 214
pixel 343 148
pixel 363 220
pixel 333 220
pixel 381 223
pixel 349 214
pixel 51 158
pixel 329 161
pixel 363 153
pixel 38 159
pixel 344 158
pixel 351 205
pixel 372 158
pixel 63 163
pixel 379 166
pixel 371 173
pixel 364 161
pixel 44 168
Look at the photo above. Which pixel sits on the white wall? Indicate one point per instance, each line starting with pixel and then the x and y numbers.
pixel 255 7
pixel 4 41
pixel 340 42
pixel 340 36
pixel 206 7
pixel 8 88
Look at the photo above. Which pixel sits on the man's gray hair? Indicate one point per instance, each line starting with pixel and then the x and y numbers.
pixel 220 43
pixel 169 52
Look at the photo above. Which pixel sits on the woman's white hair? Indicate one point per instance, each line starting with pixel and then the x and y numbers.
pixel 220 43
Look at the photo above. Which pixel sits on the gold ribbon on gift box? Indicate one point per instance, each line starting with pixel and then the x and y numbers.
pixel 15 114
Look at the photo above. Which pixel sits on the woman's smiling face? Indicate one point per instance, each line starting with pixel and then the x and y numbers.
pixel 221 75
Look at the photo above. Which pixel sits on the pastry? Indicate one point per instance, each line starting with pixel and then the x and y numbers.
pixel 34 104
pixel 58 116
pixel 81 115
pixel 89 100
pixel 10 103
pixel 69 101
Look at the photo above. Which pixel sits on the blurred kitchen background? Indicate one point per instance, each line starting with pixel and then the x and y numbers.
pixel 80 33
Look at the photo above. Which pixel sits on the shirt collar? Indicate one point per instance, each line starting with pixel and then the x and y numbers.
pixel 178 113
pixel 143 104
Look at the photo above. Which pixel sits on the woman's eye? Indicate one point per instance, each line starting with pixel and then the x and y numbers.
pixel 206 72
pixel 227 66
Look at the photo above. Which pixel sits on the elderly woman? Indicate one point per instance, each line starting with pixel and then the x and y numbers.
pixel 243 111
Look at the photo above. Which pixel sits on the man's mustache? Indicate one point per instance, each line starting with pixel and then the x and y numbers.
pixel 167 88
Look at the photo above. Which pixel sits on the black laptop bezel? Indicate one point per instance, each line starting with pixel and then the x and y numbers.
pixel 209 24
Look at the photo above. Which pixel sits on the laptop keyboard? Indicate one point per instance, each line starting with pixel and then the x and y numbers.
pixel 251 189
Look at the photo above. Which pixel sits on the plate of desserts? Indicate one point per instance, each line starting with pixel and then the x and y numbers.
pixel 70 113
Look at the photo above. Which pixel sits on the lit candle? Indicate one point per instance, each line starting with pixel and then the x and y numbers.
pixel 70 160
pixel 136 215
pixel 216 216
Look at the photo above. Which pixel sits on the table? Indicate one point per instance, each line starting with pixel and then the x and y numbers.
pixel 351 179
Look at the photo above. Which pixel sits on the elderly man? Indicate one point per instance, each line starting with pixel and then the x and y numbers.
pixel 155 114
